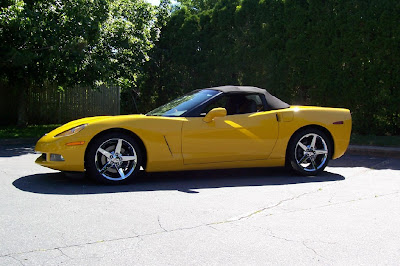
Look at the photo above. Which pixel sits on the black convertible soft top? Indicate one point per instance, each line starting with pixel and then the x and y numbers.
pixel 273 102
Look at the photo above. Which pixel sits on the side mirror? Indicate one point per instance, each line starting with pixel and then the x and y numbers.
pixel 216 112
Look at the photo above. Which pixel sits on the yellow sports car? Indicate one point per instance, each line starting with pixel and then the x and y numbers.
pixel 214 128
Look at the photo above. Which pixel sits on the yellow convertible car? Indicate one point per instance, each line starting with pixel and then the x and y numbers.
pixel 213 128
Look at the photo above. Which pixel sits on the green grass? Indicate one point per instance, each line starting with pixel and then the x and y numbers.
pixel 370 140
pixel 33 131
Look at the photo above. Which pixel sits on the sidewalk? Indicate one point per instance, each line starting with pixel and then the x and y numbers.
pixel 374 151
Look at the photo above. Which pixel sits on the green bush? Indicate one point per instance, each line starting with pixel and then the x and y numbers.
pixel 326 53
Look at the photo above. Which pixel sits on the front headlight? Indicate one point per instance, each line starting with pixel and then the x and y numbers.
pixel 71 131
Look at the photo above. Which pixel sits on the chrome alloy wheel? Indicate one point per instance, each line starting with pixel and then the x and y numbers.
pixel 115 159
pixel 311 152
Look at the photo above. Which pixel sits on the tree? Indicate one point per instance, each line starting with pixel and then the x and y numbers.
pixel 327 53
pixel 70 42
pixel 198 5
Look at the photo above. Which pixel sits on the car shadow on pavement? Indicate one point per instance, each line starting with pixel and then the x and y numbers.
pixel 188 181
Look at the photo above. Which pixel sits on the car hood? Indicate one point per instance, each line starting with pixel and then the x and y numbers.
pixel 90 120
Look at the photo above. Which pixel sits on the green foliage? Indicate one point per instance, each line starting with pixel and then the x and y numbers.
pixel 71 42
pixel 125 39
pixel 197 5
pixel 372 140
pixel 327 53
pixel 32 131
pixel 49 41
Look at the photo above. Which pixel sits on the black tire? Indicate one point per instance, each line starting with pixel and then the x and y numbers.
pixel 113 158
pixel 308 158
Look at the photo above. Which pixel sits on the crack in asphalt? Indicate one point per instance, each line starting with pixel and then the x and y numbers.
pixel 159 223
pixel 310 248
pixel 231 220
pixel 276 205
pixel 330 200
pixel 213 227
pixel 167 231
pixel 62 253
pixel 303 242
pixel 271 234
pixel 19 261
pixel 345 202
pixel 244 217
pixel 307 193
pixel 194 227
pixel 77 245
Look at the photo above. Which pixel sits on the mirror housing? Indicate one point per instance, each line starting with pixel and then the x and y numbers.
pixel 216 112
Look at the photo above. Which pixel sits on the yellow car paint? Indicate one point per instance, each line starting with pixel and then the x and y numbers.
pixel 314 116
pixel 178 143
pixel 242 137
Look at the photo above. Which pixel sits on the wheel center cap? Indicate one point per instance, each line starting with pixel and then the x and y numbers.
pixel 116 159
pixel 309 153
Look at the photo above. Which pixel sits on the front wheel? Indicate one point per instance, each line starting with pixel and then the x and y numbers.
pixel 113 158
pixel 309 151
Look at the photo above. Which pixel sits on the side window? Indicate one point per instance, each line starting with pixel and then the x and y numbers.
pixel 256 98
pixel 237 104
pixel 221 102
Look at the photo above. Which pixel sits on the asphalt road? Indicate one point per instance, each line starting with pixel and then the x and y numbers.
pixel 349 215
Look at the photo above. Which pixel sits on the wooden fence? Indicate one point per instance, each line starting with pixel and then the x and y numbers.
pixel 53 106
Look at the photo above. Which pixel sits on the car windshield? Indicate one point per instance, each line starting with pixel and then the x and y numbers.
pixel 184 103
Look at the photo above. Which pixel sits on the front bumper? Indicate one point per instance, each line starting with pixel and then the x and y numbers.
pixel 56 154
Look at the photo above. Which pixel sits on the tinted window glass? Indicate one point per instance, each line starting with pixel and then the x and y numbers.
pixel 184 103
pixel 237 104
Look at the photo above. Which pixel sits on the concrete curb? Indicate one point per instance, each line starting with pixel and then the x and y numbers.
pixel 374 151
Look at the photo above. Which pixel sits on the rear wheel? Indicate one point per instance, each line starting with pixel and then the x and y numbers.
pixel 113 158
pixel 309 151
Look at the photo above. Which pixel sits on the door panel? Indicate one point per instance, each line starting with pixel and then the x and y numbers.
pixel 231 138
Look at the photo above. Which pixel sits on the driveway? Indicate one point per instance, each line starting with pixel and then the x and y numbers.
pixel 348 215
